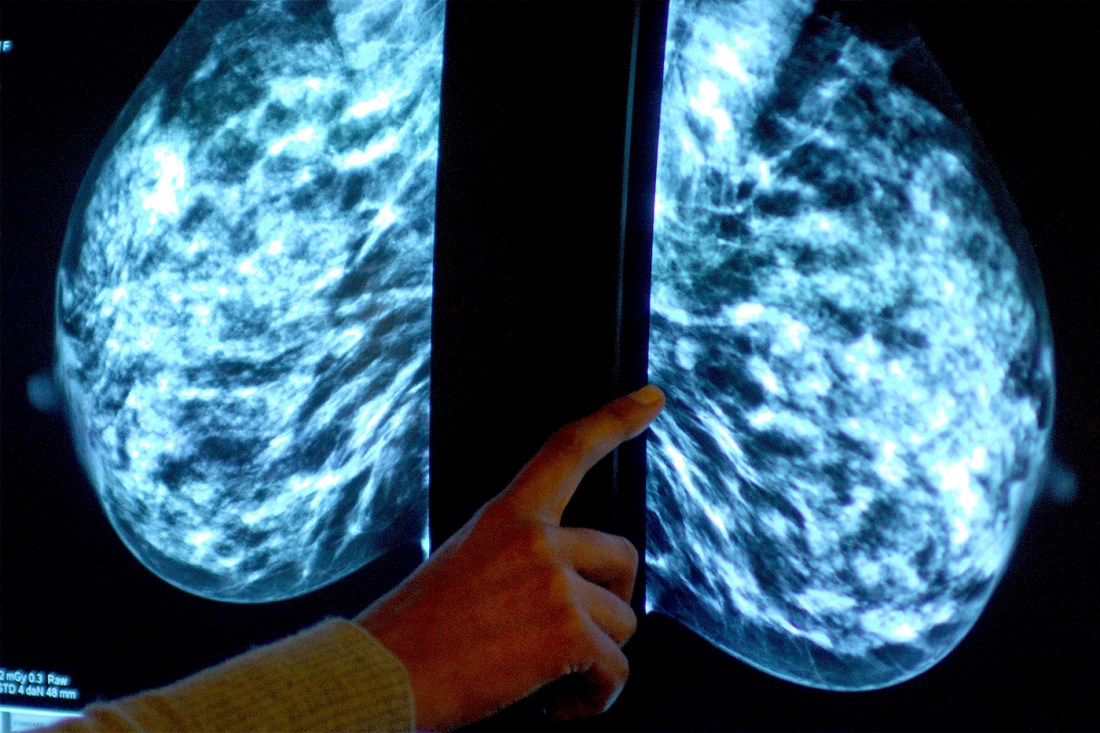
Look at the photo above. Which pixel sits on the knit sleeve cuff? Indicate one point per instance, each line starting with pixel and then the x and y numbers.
pixel 332 677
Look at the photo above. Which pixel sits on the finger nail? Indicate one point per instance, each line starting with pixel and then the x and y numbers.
pixel 647 395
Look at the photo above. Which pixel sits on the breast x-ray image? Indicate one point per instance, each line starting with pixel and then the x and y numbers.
pixel 244 300
pixel 854 322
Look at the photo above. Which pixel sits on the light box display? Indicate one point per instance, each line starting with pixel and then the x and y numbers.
pixel 243 303
pixel 855 343
pixel 845 314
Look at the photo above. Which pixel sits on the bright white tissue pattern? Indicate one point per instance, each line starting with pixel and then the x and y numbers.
pixel 857 354
pixel 243 305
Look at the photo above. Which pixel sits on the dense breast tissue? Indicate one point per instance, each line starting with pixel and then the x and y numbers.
pixel 855 346
pixel 243 306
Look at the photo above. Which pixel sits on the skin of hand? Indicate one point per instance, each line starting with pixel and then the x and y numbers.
pixel 514 601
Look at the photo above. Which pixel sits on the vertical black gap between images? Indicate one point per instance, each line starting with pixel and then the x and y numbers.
pixel 647 77
pixel 529 226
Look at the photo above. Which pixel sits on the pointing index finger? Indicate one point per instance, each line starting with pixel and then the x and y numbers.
pixel 546 484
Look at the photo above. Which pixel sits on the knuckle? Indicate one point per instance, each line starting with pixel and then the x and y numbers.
pixel 575 640
pixel 491 513
pixel 558 591
pixel 496 513
pixel 621 411
pixel 571 441
pixel 533 541
pixel 568 622
pixel 629 552
pixel 620 666
pixel 631 624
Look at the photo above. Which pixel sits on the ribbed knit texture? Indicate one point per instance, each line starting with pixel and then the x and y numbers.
pixel 333 677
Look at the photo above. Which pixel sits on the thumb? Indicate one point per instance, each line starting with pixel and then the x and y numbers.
pixel 545 485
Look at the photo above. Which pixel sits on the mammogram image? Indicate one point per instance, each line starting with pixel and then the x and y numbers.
pixel 851 327
pixel 244 301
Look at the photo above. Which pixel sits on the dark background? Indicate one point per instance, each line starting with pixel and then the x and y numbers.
pixel 527 267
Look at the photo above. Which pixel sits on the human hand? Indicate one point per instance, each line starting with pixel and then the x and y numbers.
pixel 513 600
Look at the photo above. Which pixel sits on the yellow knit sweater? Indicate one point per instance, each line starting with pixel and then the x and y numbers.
pixel 333 677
